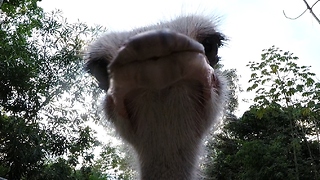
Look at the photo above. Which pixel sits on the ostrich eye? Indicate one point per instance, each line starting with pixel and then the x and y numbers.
pixel 211 43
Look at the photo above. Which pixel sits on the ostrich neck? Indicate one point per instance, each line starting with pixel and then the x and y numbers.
pixel 169 165
pixel 167 128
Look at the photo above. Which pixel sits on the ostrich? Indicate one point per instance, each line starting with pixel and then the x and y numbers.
pixel 162 93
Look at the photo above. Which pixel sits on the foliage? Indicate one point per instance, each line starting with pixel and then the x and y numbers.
pixel 114 164
pixel 262 148
pixel 278 138
pixel 43 96
pixel 21 147
pixel 233 90
pixel 278 79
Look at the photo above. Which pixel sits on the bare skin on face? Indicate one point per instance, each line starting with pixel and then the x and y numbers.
pixel 163 94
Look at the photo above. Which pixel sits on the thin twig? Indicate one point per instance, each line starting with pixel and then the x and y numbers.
pixel 295 17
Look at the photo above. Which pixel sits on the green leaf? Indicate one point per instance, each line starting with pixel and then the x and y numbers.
pixel 290 83
pixel 299 88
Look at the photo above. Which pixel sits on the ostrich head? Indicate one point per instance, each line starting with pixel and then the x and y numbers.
pixel 162 93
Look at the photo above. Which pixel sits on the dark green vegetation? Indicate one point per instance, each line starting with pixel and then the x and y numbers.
pixel 43 129
pixel 44 110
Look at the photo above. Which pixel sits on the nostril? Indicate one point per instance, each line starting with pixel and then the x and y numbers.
pixel 154 58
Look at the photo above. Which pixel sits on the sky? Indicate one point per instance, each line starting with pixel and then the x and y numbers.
pixel 250 25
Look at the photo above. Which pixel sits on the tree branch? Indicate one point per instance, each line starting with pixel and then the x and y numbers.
pixel 308 8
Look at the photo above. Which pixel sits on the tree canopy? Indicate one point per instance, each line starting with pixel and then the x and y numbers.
pixel 278 138
pixel 43 129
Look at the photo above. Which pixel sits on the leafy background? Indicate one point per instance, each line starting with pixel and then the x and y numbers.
pixel 47 104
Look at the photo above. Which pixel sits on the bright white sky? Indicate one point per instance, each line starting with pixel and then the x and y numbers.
pixel 251 25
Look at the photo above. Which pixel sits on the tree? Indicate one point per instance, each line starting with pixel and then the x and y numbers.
pixel 291 87
pixel 257 147
pixel 278 137
pixel 41 75
pixel 45 98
